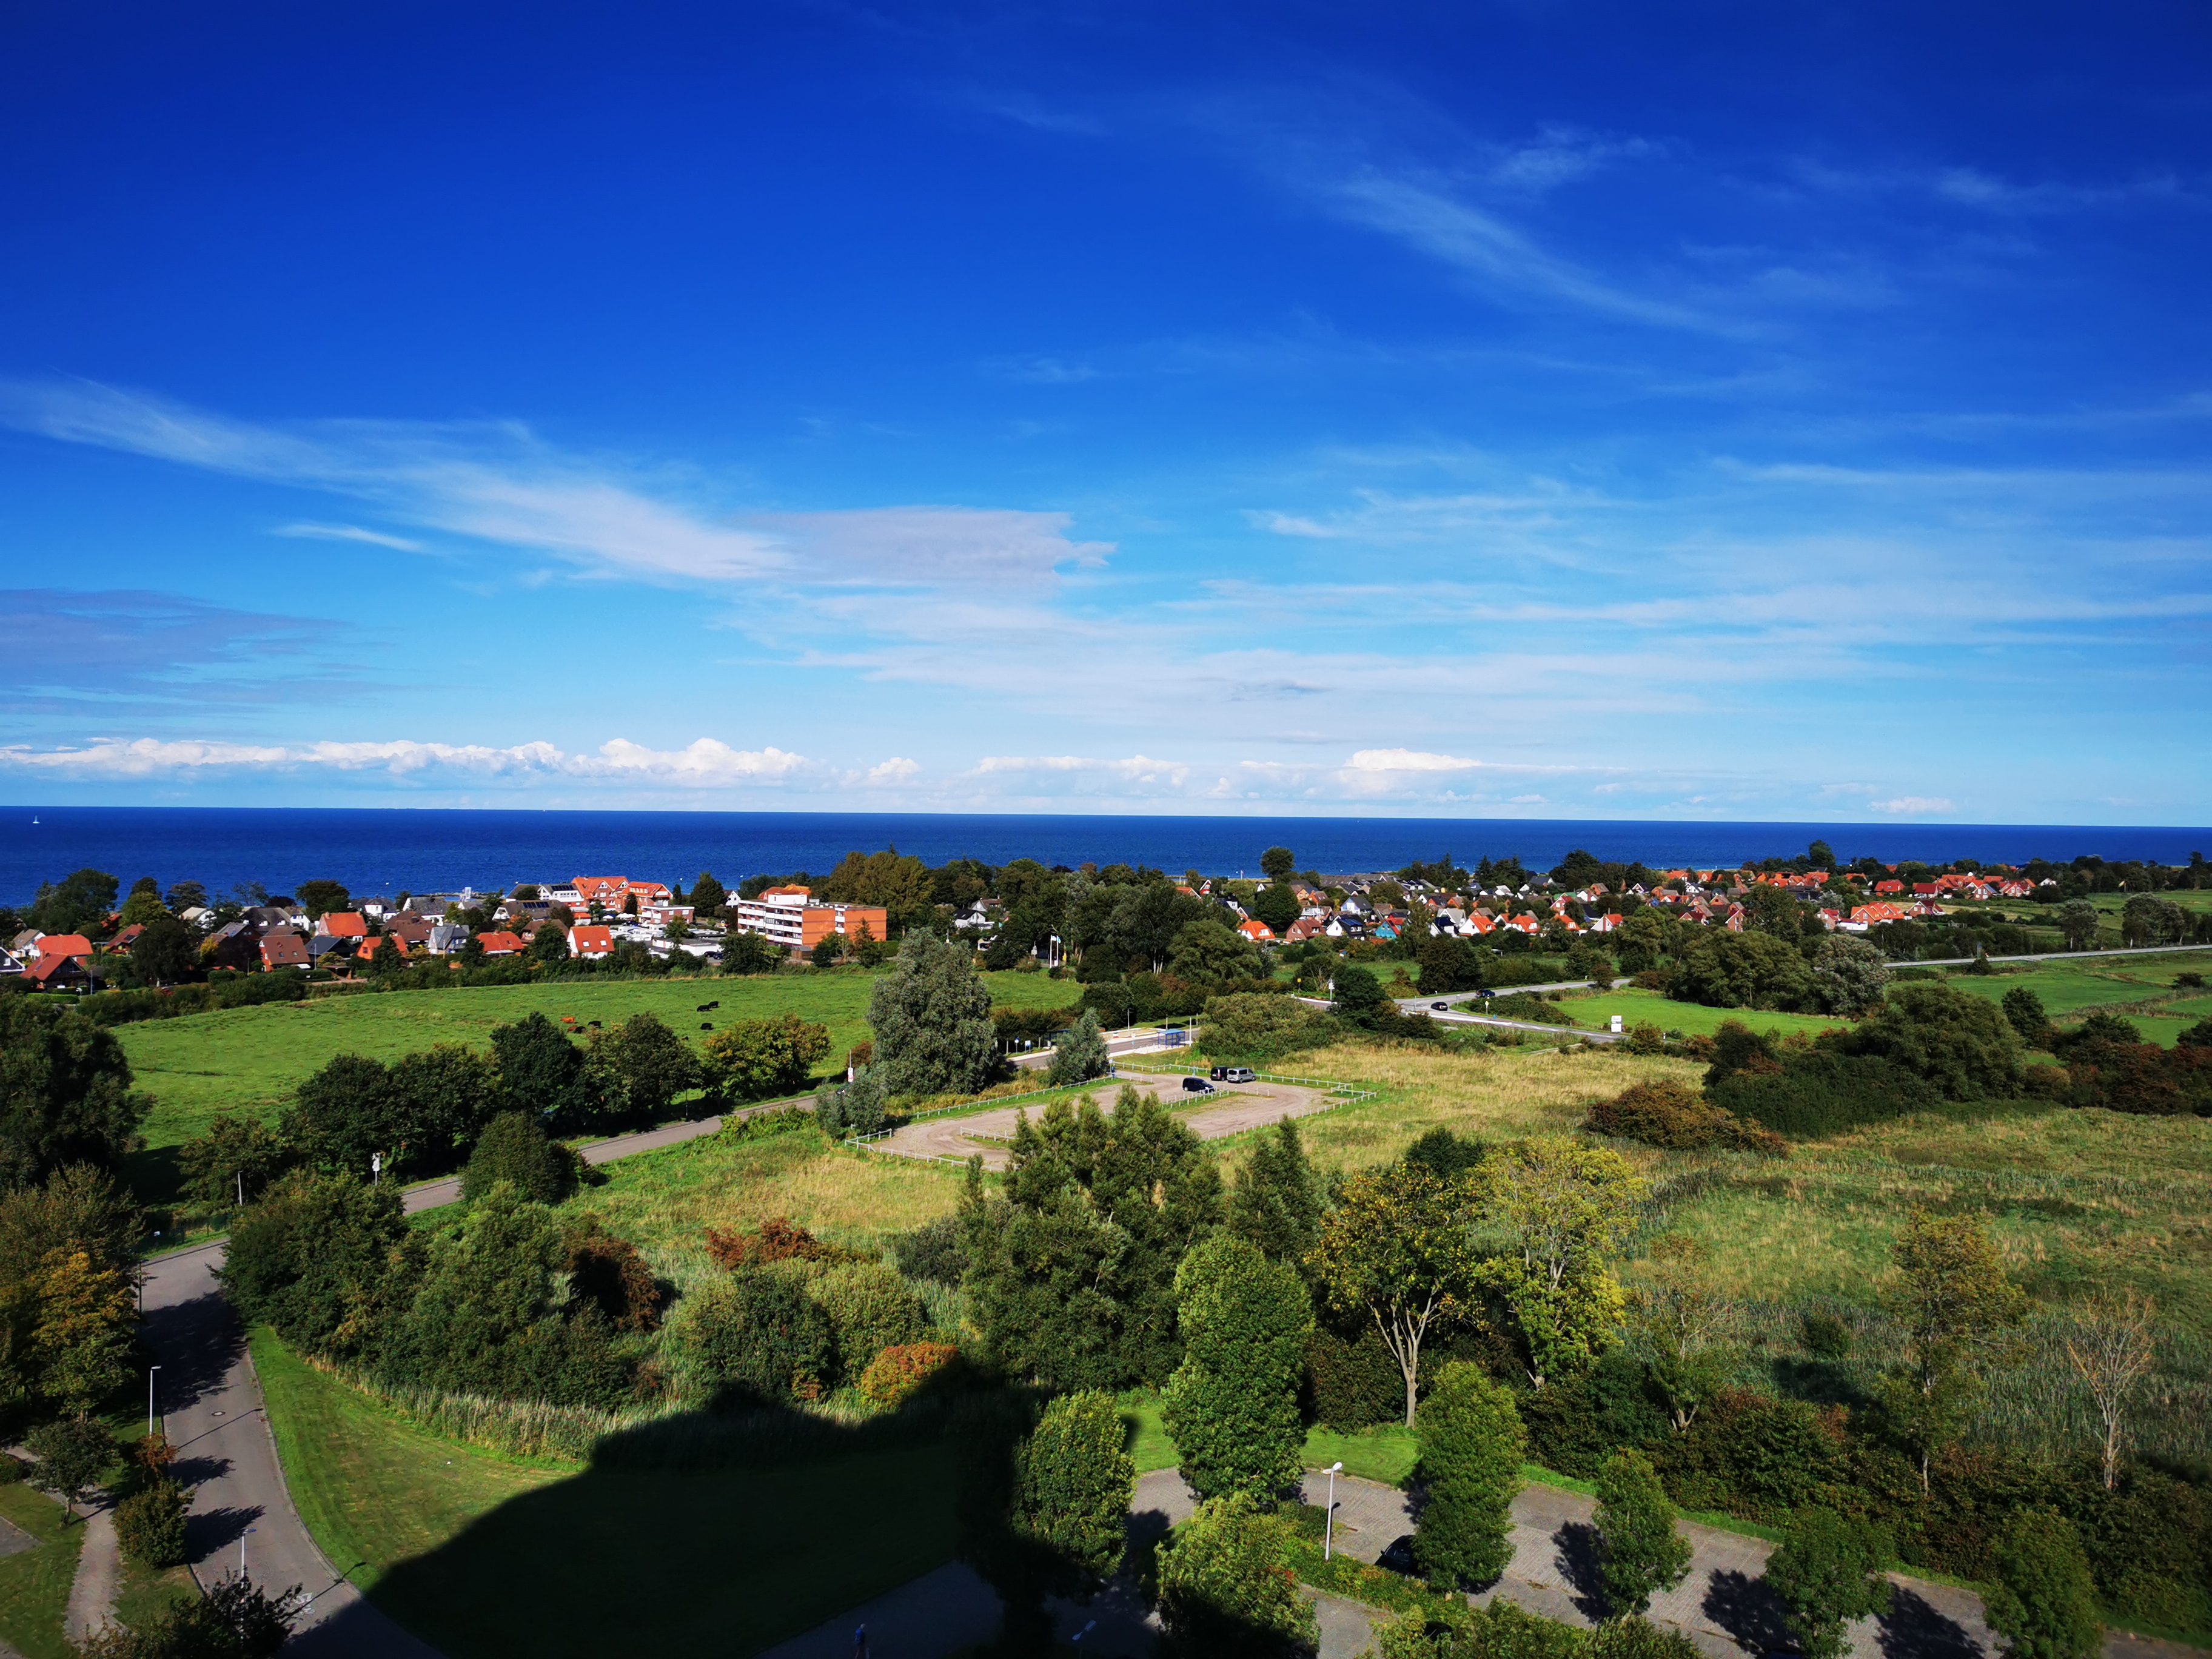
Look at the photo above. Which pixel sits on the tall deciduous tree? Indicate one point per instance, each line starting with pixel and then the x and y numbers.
pixel 82 1341
pixel 761 1059
pixel 932 1019
pixel 1278 863
pixel 1396 1248
pixel 1080 1054
pixel 64 1092
pixel 1563 1207
pixel 1075 1477
pixel 637 1070
pixel 2112 1346
pixel 1955 1304
pixel 1232 1405
pixel 1643 1554
pixel 1471 1445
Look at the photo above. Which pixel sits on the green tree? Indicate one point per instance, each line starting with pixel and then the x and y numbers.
pixel 1819 856
pixel 440 1097
pixel 76 901
pixel 1850 975
pixel 64 1092
pixel 754 1337
pixel 1962 1044
pixel 708 895
pixel 549 944
pixel 166 951
pixel 637 1071
pixel 1277 904
pixel 387 958
pixel 236 1619
pixel 318 898
pixel 2043 1601
pixel 2147 919
pixel 2024 1012
pixel 327 1260
pixel 1072 1271
pixel 2078 921
pixel 1277 1202
pixel 1232 1405
pixel 1956 1306
pixel 72 1453
pixel 1074 1483
pixel 514 1148
pixel 1223 1592
pixel 543 1070
pixel 932 1019
pixel 1564 1208
pixel 82 1342
pixel 1827 1573
pixel 1207 953
pixel 1357 989
pixel 149 1524
pixel 1686 1325
pixel 1472 1446
pixel 870 1307
pixel 1278 863
pixel 1396 1248
pixel 1643 1554
pixel 77 1208
pixel 344 1115
pixel 143 903
pixel 763 1059
pixel 1080 1054
pixel 899 883
pixel 1743 971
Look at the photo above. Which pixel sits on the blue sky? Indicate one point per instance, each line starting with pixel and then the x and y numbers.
pixel 1546 409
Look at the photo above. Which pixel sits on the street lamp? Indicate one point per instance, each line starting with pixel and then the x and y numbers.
pixel 242 1537
pixel 151 1370
pixel 1328 1520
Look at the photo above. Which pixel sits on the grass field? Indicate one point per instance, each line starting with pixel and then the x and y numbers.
pixel 34 1586
pixel 253 1057
pixel 1637 1007
pixel 712 1563
pixel 2070 988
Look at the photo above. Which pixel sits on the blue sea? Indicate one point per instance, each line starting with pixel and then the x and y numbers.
pixel 381 850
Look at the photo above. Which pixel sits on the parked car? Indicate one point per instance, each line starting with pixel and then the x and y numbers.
pixel 1441 1007
pixel 1197 1085
pixel 1234 1074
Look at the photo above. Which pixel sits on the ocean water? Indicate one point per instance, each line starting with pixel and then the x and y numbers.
pixel 375 850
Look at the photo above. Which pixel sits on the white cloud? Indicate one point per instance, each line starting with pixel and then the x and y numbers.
pixel 499 483
pixel 1407 760
pixel 898 769
pixel 1913 803
pixel 1136 769
pixel 347 532
pixel 707 762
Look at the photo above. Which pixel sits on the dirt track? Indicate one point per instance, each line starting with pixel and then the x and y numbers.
pixel 1238 1106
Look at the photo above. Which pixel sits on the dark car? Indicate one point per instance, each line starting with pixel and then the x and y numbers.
pixel 1197 1085
pixel 1440 1007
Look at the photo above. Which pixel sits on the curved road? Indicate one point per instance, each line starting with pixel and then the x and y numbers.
pixel 211 1408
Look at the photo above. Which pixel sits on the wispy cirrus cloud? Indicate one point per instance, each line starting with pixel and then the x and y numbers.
pixel 348 533
pixel 497 483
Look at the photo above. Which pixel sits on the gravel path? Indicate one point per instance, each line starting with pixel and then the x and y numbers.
pixel 1238 1106
pixel 99 1573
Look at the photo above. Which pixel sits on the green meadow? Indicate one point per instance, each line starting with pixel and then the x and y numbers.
pixel 252 1058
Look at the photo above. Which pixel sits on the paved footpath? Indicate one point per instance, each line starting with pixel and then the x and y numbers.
pixel 211 1410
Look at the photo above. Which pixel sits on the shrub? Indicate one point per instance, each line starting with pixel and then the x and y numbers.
pixel 1960 1045
pixel 1224 1592
pixel 761 1059
pixel 936 1251
pixel 1232 1405
pixel 899 1373
pixel 870 1309
pixel 1253 1025
pixel 514 1148
pixel 754 1338
pixel 1672 1115
pixel 149 1524
pixel 1644 1553
pixel 236 1619
pixel 1645 1039
pixel 1472 1446
pixel 779 1239
pixel 2024 1012
pixel 1353 1383
pixel 610 1274
pixel 2042 1602
pixel 1814 1092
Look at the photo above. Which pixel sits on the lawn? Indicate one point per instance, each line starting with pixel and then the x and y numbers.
pixel 2068 989
pixel 709 1563
pixel 1637 1007
pixel 253 1057
pixel 34 1586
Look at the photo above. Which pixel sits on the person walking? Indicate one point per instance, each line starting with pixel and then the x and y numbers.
pixel 861 1642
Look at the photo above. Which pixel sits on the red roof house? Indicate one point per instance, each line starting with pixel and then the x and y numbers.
pixel 587 940
pixel 344 924
pixel 501 945
pixel 282 948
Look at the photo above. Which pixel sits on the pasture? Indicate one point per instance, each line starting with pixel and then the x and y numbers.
pixel 251 1059
pixel 1636 1007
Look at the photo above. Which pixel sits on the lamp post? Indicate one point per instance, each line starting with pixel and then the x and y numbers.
pixel 242 1537
pixel 151 1370
pixel 1328 1521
